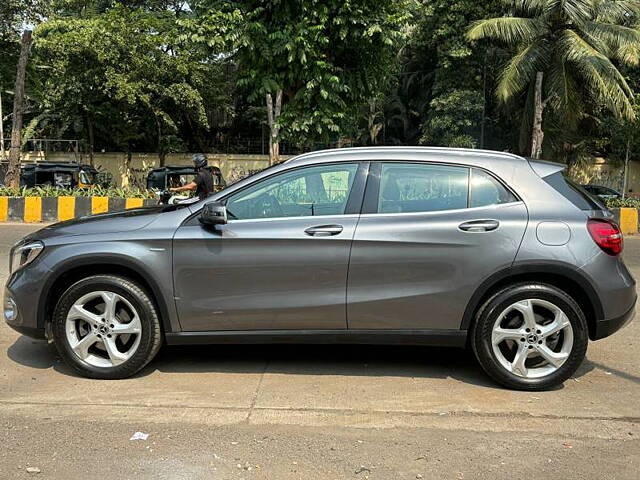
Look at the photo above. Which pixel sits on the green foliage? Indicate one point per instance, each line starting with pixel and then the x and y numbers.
pixel 15 14
pixel 175 75
pixel 576 44
pixel 628 202
pixel 328 57
pixel 451 119
pixel 125 73
pixel 116 192
pixel 456 71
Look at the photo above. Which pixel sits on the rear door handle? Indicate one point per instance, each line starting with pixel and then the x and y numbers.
pixel 479 226
pixel 324 230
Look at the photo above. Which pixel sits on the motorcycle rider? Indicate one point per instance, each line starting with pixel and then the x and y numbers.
pixel 203 183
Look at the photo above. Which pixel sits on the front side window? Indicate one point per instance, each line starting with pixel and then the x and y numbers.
pixel 486 190
pixel 309 191
pixel 414 187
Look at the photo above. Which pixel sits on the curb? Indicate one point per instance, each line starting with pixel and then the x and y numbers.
pixel 58 209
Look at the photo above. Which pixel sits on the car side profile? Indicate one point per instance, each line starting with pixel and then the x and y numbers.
pixel 385 245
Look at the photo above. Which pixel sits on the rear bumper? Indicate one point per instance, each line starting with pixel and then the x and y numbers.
pixel 604 328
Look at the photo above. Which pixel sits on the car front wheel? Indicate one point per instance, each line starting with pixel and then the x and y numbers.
pixel 530 336
pixel 107 327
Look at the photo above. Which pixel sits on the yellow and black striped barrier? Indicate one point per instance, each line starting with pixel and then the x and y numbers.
pixel 627 219
pixel 57 209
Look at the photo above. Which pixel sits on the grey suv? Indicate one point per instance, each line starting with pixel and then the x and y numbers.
pixel 403 245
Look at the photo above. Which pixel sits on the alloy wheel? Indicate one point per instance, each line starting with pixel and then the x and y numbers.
pixel 532 338
pixel 103 329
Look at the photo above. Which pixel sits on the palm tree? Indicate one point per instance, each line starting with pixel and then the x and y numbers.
pixel 566 52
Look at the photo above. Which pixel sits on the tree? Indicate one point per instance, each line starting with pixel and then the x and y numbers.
pixel 439 68
pixel 564 55
pixel 312 63
pixel 15 14
pixel 622 140
pixel 130 61
pixel 451 119
pixel 12 178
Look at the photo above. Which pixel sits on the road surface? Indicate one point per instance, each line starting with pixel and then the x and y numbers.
pixel 321 412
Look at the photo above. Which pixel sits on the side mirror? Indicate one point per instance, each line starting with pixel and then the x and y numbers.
pixel 213 213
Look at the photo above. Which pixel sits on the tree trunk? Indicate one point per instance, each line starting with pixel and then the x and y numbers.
pixel 484 100
pixel 162 154
pixel 1 129
pixel 273 113
pixel 12 178
pixel 126 174
pixel 537 135
pixel 91 134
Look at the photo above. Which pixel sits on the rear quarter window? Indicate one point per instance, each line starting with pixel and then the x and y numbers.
pixel 573 192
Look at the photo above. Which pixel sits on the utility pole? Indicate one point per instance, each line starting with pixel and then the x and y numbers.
pixel 1 128
pixel 626 169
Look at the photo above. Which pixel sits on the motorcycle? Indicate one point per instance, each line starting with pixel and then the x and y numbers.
pixel 167 197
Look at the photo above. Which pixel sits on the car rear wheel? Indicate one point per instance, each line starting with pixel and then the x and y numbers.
pixel 530 336
pixel 106 327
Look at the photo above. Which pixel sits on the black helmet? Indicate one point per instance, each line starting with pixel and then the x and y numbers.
pixel 199 160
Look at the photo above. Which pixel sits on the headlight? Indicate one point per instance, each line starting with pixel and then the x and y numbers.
pixel 22 255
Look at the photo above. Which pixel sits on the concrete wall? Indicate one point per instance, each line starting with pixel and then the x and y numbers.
pixel 610 174
pixel 236 166
pixel 233 166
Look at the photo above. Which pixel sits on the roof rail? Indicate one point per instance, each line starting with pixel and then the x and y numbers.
pixel 425 149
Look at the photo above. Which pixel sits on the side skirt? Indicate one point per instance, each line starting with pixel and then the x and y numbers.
pixel 442 338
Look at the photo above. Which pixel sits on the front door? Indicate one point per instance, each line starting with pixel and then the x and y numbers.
pixel 428 236
pixel 280 263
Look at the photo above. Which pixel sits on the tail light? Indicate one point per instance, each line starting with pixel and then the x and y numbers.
pixel 606 234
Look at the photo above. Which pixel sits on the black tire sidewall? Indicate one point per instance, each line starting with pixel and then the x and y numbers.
pixel 502 300
pixel 139 300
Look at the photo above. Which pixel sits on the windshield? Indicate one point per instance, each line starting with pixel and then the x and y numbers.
pixel 87 177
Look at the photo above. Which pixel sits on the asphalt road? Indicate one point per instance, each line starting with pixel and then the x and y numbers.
pixel 325 412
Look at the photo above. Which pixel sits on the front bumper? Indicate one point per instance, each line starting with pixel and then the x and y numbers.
pixel 604 328
pixel 17 319
pixel 27 287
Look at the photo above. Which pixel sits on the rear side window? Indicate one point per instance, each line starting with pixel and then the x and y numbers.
pixel 486 190
pixel 573 192
pixel 413 187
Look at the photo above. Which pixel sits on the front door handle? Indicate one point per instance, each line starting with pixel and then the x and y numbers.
pixel 479 226
pixel 324 230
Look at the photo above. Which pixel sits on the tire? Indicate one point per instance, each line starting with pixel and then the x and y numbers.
pixel 106 327
pixel 501 330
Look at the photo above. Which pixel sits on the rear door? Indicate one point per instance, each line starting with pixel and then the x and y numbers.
pixel 428 236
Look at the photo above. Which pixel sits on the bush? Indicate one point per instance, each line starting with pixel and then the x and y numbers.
pixel 77 192
pixel 628 202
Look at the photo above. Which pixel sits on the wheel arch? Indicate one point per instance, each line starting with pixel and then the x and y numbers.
pixel 565 277
pixel 76 269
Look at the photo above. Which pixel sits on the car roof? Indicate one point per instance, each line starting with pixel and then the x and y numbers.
pixel 449 155
pixel 179 168
pixel 171 168
pixel 56 166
